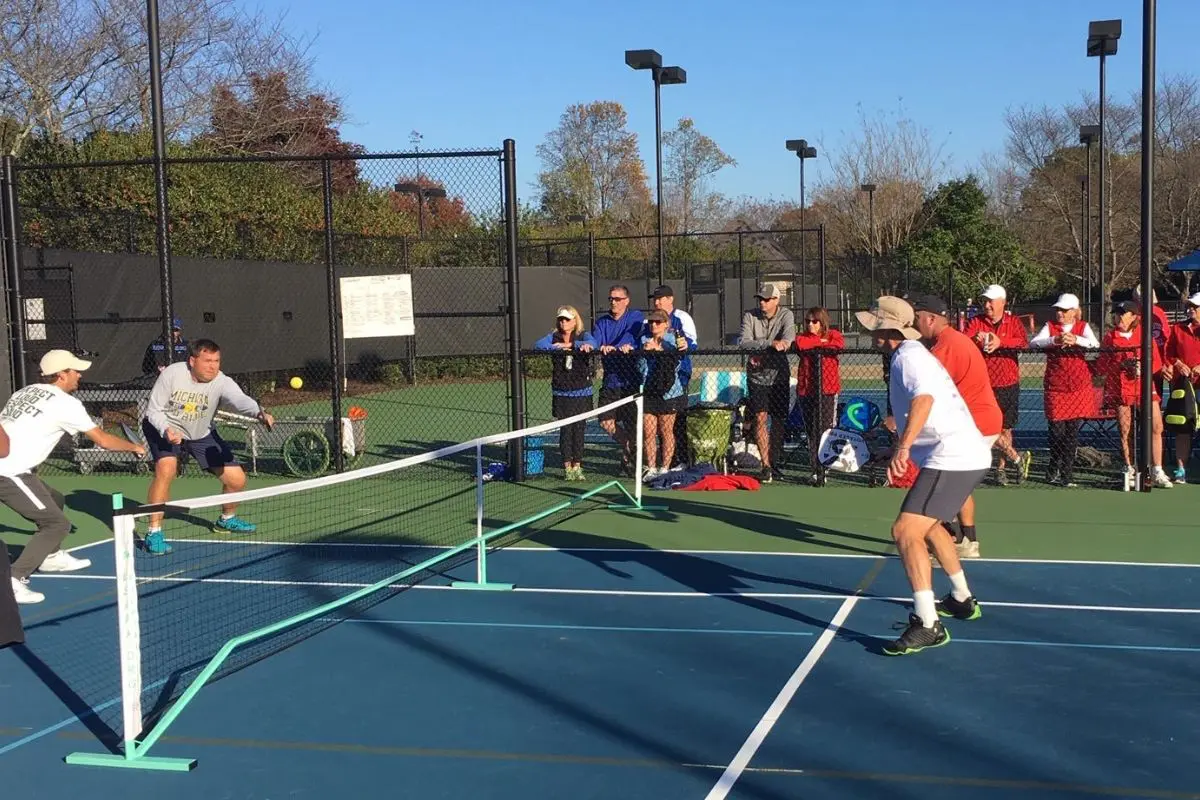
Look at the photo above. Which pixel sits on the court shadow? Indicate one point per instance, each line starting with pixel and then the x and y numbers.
pixel 561 706
pixel 84 711
pixel 700 574
pixel 97 505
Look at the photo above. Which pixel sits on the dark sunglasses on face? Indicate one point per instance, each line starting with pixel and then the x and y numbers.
pixel 616 299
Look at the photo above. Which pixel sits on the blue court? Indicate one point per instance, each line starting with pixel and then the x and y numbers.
pixel 639 673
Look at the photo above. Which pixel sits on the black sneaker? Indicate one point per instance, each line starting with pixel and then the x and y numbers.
pixel 959 609
pixel 766 475
pixel 917 637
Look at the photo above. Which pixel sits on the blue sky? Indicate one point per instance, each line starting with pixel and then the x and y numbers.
pixel 470 73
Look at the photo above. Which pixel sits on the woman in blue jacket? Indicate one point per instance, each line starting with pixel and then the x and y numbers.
pixel 663 392
pixel 571 378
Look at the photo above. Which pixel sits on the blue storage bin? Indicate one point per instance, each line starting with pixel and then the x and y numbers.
pixel 535 455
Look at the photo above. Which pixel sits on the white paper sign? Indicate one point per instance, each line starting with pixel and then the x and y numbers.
pixel 377 305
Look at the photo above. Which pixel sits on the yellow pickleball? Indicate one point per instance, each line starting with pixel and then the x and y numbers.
pixel 296 383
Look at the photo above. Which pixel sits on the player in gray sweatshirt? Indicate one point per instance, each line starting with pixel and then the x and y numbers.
pixel 179 419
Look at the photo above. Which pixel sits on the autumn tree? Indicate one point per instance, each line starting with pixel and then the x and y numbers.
pixel 690 159
pixel 590 164
pixel 272 118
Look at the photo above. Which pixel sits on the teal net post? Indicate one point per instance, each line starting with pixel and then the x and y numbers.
pixel 129 635
pixel 481 581
pixel 638 448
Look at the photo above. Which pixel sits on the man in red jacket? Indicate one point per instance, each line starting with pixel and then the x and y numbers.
pixel 997 333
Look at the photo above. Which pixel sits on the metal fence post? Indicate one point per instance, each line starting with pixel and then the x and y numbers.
pixel 516 446
pixel 12 262
pixel 335 314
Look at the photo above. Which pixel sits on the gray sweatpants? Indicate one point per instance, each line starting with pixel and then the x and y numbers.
pixel 43 506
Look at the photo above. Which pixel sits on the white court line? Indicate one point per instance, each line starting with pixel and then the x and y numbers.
pixel 77 548
pixel 627 593
pixel 776 709
pixel 526 549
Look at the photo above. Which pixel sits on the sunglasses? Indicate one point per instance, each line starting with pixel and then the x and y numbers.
pixel 616 299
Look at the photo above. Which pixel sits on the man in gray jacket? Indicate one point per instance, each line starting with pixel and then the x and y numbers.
pixel 179 417
pixel 771 331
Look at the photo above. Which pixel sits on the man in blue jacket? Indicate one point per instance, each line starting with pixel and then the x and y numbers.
pixel 617 333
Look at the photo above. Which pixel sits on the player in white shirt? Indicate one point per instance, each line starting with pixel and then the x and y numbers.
pixel 35 418
pixel 935 431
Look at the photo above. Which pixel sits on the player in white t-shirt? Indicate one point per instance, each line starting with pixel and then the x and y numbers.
pixel 35 418
pixel 935 431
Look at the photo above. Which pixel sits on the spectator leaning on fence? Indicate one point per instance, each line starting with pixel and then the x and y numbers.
pixel 617 333
pixel 997 333
pixel 681 322
pixel 818 397
pixel 1067 382
pixel 664 393
pixel 1183 360
pixel 770 331
pixel 1121 367
pixel 571 375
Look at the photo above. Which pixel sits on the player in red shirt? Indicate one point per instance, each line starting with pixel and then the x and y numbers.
pixel 997 333
pixel 966 366
pixel 1182 357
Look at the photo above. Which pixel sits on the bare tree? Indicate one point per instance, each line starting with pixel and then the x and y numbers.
pixel 72 67
pixel 903 161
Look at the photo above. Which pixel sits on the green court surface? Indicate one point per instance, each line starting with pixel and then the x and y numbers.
pixel 1013 522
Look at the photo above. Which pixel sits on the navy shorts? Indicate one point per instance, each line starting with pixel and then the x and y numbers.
pixel 211 452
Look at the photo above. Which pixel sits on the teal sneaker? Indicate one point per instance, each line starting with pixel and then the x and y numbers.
pixel 156 544
pixel 235 524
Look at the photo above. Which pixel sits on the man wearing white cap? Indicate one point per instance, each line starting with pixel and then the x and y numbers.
pixel 1182 358
pixel 935 430
pixel 997 333
pixel 35 418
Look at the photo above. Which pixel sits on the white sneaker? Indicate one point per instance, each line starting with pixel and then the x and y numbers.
pixel 62 561
pixel 1161 481
pixel 23 594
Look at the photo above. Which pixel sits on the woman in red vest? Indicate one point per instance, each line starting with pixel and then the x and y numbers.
pixel 1067 384
pixel 818 403
pixel 1122 370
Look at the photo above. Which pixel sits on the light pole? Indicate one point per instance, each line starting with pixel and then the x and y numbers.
pixel 869 188
pixel 422 194
pixel 1149 37
pixel 803 152
pixel 1087 135
pixel 1102 42
pixel 663 76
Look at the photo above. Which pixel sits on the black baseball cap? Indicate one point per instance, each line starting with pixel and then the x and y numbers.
pixel 1125 305
pixel 931 304
pixel 662 291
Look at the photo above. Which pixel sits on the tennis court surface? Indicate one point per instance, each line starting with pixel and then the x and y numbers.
pixel 620 670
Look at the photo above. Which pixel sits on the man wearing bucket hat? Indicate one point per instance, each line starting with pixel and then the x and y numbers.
pixel 935 430
pixel 35 418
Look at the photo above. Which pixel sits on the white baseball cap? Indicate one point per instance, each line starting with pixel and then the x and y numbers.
pixel 1194 300
pixel 57 361
pixel 565 313
pixel 995 292
pixel 1067 301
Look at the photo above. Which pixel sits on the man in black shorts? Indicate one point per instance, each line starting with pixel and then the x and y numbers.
pixel 770 331
pixel 936 431
pixel 179 418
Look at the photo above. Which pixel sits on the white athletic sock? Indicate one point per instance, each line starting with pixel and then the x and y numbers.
pixel 959 583
pixel 925 608
pixel 226 516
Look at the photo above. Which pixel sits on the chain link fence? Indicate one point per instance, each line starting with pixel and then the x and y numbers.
pixel 286 264
pixel 1056 434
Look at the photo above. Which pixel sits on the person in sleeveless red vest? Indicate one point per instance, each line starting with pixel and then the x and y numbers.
pixel 1067 384
pixel 818 400
pixel 1182 358
pixel 1120 365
